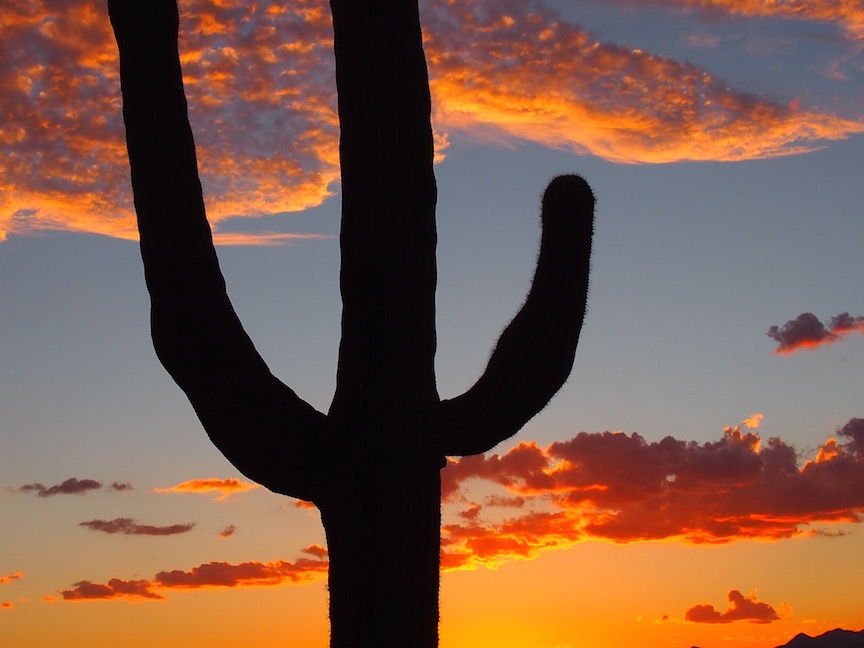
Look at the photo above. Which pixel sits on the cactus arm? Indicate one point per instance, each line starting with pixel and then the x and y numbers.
pixel 258 423
pixel 535 353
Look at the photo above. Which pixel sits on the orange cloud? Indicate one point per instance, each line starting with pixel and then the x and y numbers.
pixel 226 487
pixel 6 605
pixel 262 104
pixel 754 421
pixel 538 78
pixel 259 79
pixel 807 332
pixel 128 526
pixel 10 577
pixel 611 486
pixel 741 608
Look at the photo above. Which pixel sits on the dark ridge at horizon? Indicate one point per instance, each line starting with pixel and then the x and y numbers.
pixel 836 638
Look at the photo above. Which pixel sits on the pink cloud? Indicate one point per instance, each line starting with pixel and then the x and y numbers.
pixel 741 608
pixel 807 332
pixel 128 526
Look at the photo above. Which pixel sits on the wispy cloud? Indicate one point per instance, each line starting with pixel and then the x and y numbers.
pixel 807 332
pixel 11 577
pixel 247 574
pixel 225 487
pixel 259 81
pixel 121 487
pixel 128 526
pixel 8 578
pixel 228 531
pixel 741 608
pixel 621 488
pixel 514 70
pixel 259 78
pixel 206 576
pixel 72 486
pixel 849 14
pixel 115 588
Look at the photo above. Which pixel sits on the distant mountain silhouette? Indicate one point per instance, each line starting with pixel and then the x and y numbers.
pixel 836 638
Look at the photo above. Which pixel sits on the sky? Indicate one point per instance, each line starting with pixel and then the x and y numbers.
pixel 699 480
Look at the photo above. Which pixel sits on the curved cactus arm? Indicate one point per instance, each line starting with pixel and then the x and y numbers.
pixel 258 423
pixel 535 353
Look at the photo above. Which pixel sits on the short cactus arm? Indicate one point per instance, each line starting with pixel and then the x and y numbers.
pixel 258 423
pixel 535 353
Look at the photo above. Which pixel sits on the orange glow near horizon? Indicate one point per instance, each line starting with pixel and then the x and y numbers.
pixel 267 139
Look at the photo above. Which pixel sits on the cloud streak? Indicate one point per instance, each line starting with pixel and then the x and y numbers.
pixel 205 576
pixel 567 90
pixel 849 14
pixel 259 78
pixel 128 526
pixel 620 488
pixel 807 332
pixel 115 588
pixel 741 608
pixel 72 486
pixel 4 580
pixel 225 487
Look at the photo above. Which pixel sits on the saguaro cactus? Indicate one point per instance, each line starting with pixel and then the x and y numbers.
pixel 372 463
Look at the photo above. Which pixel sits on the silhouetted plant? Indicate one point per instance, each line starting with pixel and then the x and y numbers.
pixel 372 463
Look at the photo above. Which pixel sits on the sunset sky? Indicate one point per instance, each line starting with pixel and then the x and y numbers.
pixel 698 481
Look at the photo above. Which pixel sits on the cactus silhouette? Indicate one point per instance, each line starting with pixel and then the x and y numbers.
pixel 372 463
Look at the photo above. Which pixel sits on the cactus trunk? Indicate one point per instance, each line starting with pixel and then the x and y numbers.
pixel 382 526
pixel 372 463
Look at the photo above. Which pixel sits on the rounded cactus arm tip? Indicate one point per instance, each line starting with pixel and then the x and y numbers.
pixel 535 353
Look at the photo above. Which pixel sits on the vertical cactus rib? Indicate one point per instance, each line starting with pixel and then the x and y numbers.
pixel 535 353
pixel 260 425
pixel 388 272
